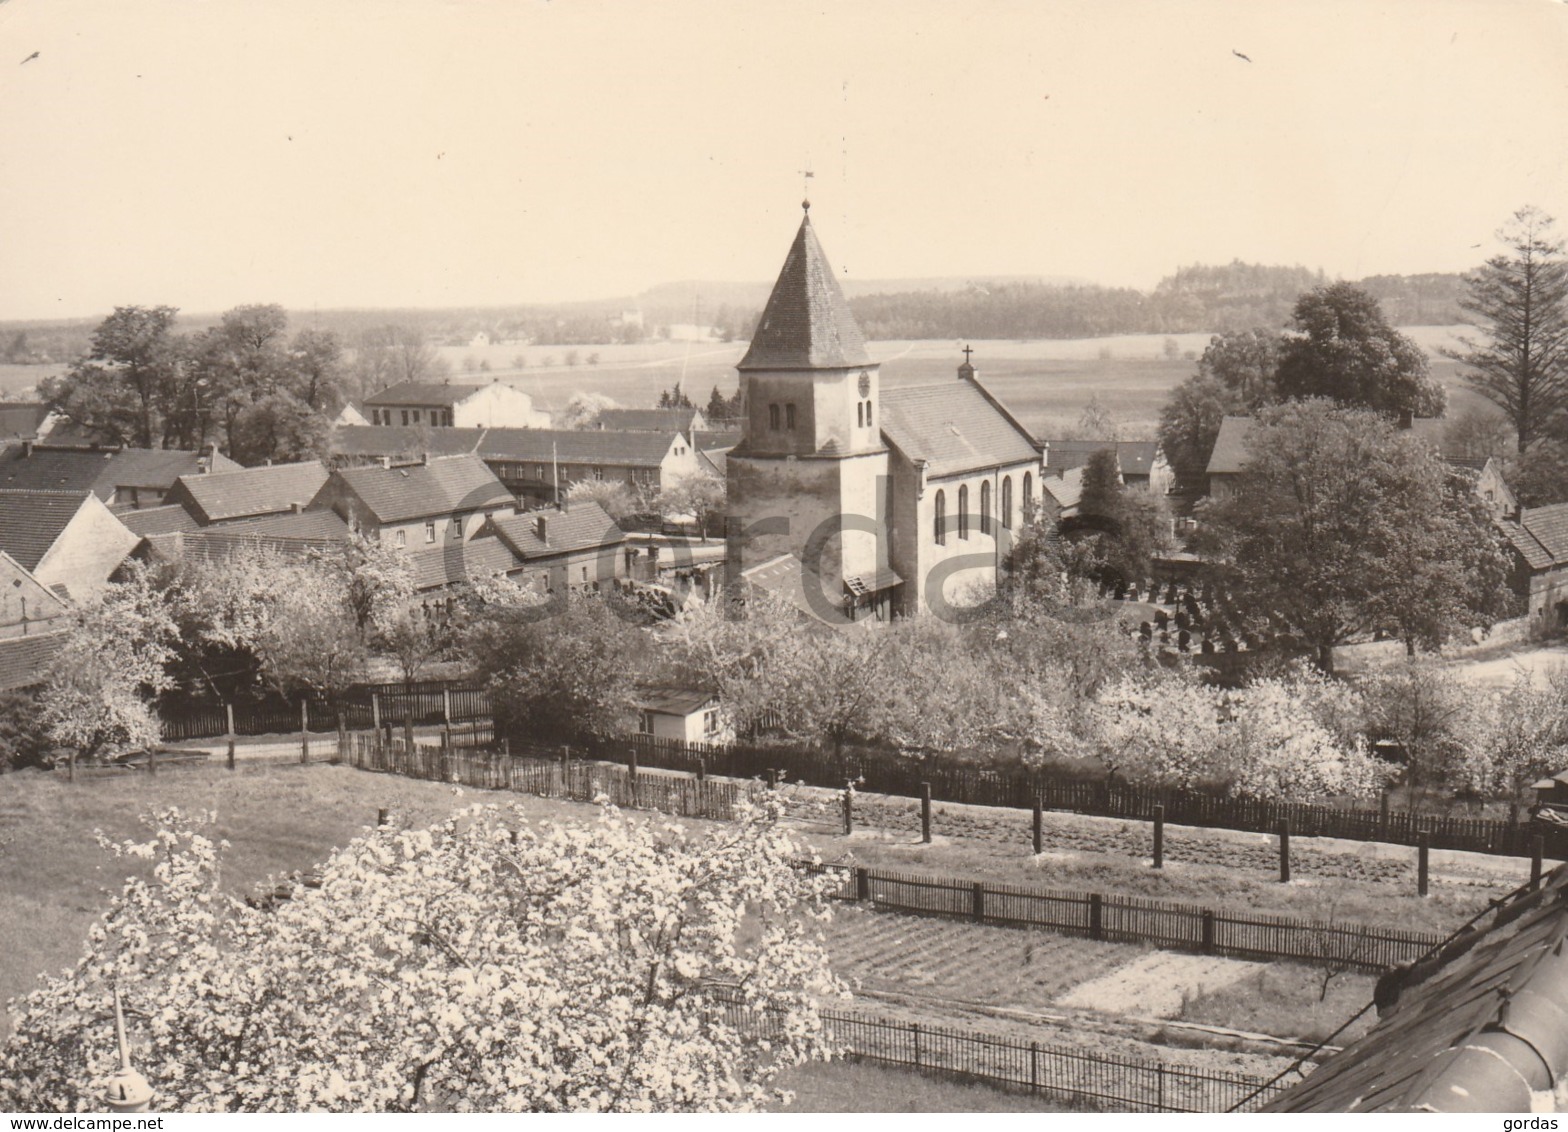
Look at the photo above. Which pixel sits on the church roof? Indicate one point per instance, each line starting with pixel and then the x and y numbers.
pixel 954 427
pixel 806 324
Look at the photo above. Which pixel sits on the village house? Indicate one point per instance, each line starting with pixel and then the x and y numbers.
pixel 533 463
pixel 438 501
pixel 24 661
pixel 446 405
pixel 680 714
pixel 123 478
pixel 684 421
pixel 1141 463
pixel 68 540
pixel 248 493
pixel 576 547
pixel 1060 495
pixel 1538 539
pixel 376 444
pixel 27 606
pixel 892 502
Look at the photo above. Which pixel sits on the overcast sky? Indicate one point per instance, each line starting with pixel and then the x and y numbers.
pixel 411 152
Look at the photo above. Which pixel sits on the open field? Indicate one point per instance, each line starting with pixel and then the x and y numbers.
pixel 15 379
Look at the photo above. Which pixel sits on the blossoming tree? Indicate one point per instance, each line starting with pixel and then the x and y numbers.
pixel 484 964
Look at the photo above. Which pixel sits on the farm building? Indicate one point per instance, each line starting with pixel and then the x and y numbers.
pixel 123 478
pixel 1538 540
pixel 68 540
pixel 893 502
pixel 533 462
pixel 432 503
pixel 558 548
pixel 1141 462
pixel 684 421
pixel 445 405
pixel 225 497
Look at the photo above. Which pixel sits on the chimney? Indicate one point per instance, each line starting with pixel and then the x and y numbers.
pixel 424 459
pixel 296 507
pixel 542 527
pixel 209 454
pixel 386 461
pixel 27 449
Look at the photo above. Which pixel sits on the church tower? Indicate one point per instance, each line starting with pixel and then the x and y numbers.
pixel 808 475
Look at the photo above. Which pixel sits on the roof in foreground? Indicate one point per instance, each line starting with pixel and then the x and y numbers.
pixel 24 660
pixel 954 427
pixel 1478 1028
pixel 671 700
pixel 253 491
pixel 1540 536
pixel 31 521
pixel 807 323
pixel 582 526
pixel 445 485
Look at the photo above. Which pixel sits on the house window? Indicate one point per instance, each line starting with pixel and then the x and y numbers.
pixel 416 416
pixel 457 526
pixel 940 525
pixel 446 418
pixel 773 417
pixel 405 416
pixel 985 507
pixel 710 722
pixel 402 538
pixel 598 473
pixel 1028 496
pixel 430 530
pixel 585 575
pixel 645 723
pixel 1007 502
pixel 963 511
pixel 789 417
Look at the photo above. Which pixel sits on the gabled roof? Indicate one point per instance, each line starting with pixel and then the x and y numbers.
pixel 398 442
pixel 423 393
pixel 1230 447
pixel 162 520
pixel 1540 536
pixel 668 700
pixel 646 420
pixel 24 660
pixel 102 470
pixel 1066 489
pixel 1135 457
pixel 1478 1028
pixel 583 526
pixel 711 440
pixel 417 491
pixel 954 427
pixel 571 446
pixel 32 521
pixel 806 324
pixel 221 496
pixel 437 567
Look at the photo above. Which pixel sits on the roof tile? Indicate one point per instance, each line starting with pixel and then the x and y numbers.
pixel 415 491
pixel 953 427
pixel 807 323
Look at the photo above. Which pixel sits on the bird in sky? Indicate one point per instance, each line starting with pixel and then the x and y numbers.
pixel 31 57
pixel 1239 55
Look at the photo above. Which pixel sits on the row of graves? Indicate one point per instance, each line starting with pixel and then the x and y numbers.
pixel 1190 617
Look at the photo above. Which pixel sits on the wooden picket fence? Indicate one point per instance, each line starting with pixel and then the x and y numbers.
pixel 361 707
pixel 1074 1076
pixel 1132 919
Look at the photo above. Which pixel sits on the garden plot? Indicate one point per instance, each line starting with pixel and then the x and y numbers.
pixel 1159 984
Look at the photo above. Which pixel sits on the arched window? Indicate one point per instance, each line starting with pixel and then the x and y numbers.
pixel 1007 502
pixel 860 414
pixel 985 507
pixel 773 417
pixel 868 414
pixel 940 523
pixel 963 511
pixel 1028 496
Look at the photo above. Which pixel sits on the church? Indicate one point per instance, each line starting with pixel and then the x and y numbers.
pixel 856 503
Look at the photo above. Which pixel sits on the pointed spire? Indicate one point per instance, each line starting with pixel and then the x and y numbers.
pixel 806 324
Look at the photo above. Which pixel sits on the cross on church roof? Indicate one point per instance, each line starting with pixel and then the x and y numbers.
pixel 967 351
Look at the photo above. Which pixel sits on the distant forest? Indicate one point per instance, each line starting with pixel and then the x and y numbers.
pixel 1201 298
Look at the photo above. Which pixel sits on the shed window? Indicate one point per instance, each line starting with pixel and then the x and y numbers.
pixel 645 723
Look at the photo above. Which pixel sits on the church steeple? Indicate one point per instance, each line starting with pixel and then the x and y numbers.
pixel 807 323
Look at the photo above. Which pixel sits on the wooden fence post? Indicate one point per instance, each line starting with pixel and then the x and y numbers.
pixel 849 810
pixel 773 776
pixel 1284 852
pixel 408 728
pixel 152 760
pixel 1208 932
pixel 914 1028
pixel 228 716
pixel 702 770
pixel 304 729
pixel 381 817
pixel 231 754
pixel 925 813
pixel 342 734
pixel 375 712
pixel 1382 812
pixel 1423 848
pixel 446 705
pixel 1034 1067
pixel 1039 823
pixel 1096 916
pixel 862 884
pixel 631 761
pixel 566 755
pixel 1537 852
pixel 1159 837
pixel 977 901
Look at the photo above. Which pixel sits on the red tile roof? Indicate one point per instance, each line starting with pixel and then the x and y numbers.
pixel 807 323
pixel 219 496
pixel 445 485
pixel 32 521
pixel 954 427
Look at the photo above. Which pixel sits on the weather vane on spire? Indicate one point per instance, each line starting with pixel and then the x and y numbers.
pixel 805 189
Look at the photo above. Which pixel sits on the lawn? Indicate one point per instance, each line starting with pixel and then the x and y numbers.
pixel 853 1086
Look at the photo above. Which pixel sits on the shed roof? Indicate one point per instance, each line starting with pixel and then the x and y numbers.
pixel 1066 489
pixel 221 496
pixel 32 521
pixel 669 700
pixel 806 323
pixel 1540 536
pixel 415 491
pixel 318 524
pixel 954 427
pixel 24 660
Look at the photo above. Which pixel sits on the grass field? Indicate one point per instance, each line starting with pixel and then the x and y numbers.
pixel 845 1086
